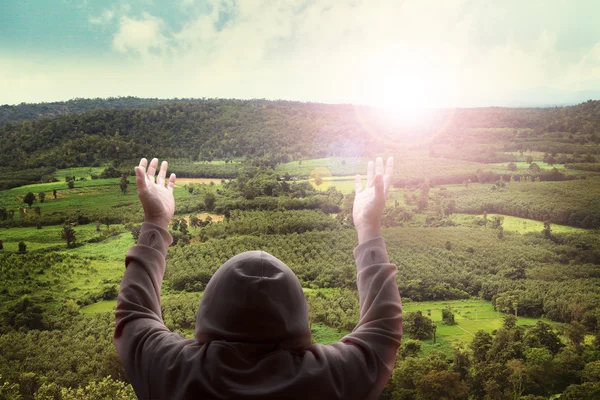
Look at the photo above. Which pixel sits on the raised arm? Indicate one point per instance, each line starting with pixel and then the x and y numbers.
pixel 363 360
pixel 139 325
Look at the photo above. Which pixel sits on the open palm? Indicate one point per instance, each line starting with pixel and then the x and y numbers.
pixel 156 198
pixel 370 201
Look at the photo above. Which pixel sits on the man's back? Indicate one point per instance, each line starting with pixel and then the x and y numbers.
pixel 252 334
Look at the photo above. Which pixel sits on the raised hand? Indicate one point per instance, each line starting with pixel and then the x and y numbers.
pixel 157 200
pixel 370 201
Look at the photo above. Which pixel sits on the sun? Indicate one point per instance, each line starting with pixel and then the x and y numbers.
pixel 404 94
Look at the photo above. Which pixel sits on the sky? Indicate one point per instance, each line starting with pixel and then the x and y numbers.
pixel 409 54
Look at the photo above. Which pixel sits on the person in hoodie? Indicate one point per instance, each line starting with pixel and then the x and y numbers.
pixel 252 336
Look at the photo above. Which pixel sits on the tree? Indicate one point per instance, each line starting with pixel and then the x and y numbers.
pixel 42 196
pixel 410 348
pixel 183 226
pixel 576 334
pixel 29 199
pixel 547 231
pixel 542 335
pixel 510 321
pixel 517 375
pixel 529 159
pixel 448 317
pixel 110 172
pixel 417 326
pixel 124 183
pixel 71 184
pixel 209 201
pixel 54 193
pixel 534 167
pixel 512 166
pixel 585 391
pixel 68 235
pixel 1 245
pixel 441 385
pixel 135 232
pixel 22 247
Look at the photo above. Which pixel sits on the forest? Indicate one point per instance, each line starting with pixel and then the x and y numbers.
pixel 493 221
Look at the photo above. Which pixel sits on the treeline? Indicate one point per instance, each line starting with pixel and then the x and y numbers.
pixel 33 111
pixel 276 131
pixel 571 202
pixel 271 222
pixel 567 130
pixel 11 178
pixel 514 362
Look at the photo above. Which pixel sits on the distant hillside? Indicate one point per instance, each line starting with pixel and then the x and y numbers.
pixel 27 111
pixel 279 131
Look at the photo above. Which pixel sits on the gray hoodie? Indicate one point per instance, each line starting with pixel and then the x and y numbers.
pixel 252 336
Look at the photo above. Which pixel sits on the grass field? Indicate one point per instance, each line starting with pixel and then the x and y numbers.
pixel 516 224
pixel 79 172
pixel 524 165
pixel 98 195
pixel 470 316
pixel 47 237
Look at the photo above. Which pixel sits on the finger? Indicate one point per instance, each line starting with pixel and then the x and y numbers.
pixel 379 166
pixel 370 173
pixel 143 164
pixel 152 169
pixel 379 192
pixel 162 173
pixel 357 184
pixel 140 177
pixel 387 178
pixel 171 183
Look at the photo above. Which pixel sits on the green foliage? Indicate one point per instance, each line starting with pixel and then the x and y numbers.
pixel 123 184
pixel 68 235
pixel 29 199
pixel 448 317
pixel 417 326
pixel 574 206
pixel 441 256
pixel 209 201
pixel 106 389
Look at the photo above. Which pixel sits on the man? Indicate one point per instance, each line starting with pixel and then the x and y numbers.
pixel 252 335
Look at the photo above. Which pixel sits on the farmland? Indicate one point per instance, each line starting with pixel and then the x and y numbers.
pixel 483 224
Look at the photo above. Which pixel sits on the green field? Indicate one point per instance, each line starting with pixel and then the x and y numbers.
pixel 470 316
pixel 524 165
pixel 78 173
pixel 44 238
pixel 516 224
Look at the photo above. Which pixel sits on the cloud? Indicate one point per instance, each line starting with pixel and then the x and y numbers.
pixel 141 36
pixel 104 18
pixel 456 52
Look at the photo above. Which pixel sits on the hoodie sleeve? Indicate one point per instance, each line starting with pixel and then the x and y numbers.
pixel 139 326
pixel 363 360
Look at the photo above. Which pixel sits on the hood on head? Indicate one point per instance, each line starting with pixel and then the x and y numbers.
pixel 254 298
